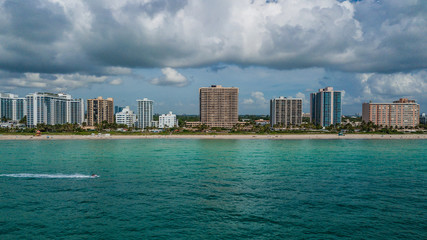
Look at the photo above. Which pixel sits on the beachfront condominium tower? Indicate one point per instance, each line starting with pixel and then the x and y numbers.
pixel 145 113
pixel 423 118
pixel 219 106
pixel 326 107
pixel 51 109
pixel 12 107
pixel 400 113
pixel 100 110
pixel 286 111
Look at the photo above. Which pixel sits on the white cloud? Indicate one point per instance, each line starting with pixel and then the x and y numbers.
pixel 257 98
pixel 248 101
pixel 56 82
pixel 116 81
pixel 170 77
pixel 394 85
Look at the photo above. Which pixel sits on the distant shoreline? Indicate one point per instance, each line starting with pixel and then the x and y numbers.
pixel 206 136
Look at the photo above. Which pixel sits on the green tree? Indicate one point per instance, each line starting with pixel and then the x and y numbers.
pixel 23 120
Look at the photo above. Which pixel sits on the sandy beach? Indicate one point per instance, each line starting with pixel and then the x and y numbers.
pixel 272 136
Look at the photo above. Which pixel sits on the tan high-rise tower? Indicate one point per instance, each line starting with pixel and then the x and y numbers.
pixel 99 110
pixel 219 106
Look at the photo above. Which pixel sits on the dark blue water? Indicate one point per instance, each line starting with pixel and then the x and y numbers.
pixel 213 189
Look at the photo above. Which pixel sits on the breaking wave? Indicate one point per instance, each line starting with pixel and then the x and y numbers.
pixel 59 175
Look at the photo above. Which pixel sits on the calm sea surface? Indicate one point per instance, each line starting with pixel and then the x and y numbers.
pixel 213 189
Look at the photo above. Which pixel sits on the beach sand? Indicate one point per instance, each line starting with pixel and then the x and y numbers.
pixel 230 136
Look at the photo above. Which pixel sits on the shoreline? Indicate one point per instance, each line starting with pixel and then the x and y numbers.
pixel 235 137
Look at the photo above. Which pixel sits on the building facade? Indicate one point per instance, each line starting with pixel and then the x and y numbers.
pixel 145 113
pixel 219 106
pixel 286 112
pixel 326 107
pixel 168 120
pixel 126 116
pixel 12 107
pixel 75 111
pixel 118 109
pixel 401 113
pixel 99 110
pixel 423 119
pixel 51 109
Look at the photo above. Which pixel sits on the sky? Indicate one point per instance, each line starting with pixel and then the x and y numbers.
pixel 164 50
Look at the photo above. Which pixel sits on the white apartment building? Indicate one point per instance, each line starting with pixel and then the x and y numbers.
pixel 126 116
pixel 145 113
pixel 51 109
pixel 168 120
pixel 12 107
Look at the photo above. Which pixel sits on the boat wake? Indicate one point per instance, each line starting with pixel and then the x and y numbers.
pixel 59 175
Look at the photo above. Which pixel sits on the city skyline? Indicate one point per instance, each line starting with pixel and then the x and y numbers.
pixel 372 50
pixel 118 108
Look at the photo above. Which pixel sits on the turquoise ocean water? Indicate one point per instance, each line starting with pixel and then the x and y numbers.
pixel 213 189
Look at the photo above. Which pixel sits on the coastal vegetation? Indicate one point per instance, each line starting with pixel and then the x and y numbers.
pixel 250 126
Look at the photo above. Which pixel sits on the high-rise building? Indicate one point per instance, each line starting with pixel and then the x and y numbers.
pixel 99 110
pixel 12 107
pixel 423 119
pixel 326 107
pixel 145 113
pixel 219 106
pixel 126 116
pixel 168 120
pixel 51 109
pixel 286 111
pixel 75 111
pixel 401 113
pixel 118 109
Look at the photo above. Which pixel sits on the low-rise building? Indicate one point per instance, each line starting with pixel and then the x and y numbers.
pixel 262 122
pixel 126 116
pixel 168 120
pixel 193 124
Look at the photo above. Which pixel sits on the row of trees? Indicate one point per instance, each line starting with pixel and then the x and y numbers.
pixel 22 121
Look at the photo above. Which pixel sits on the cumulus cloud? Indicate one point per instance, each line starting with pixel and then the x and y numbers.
pixel 61 36
pixel 375 50
pixel 55 82
pixel 248 101
pixel 377 87
pixel 394 85
pixel 170 77
pixel 256 98
pixel 116 81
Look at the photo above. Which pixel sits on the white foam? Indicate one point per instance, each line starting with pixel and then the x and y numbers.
pixel 58 175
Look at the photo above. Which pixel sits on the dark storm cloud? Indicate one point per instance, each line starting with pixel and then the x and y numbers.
pixel 89 36
pixel 27 33
pixel 35 21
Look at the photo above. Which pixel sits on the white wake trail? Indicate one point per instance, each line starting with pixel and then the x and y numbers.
pixel 58 175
